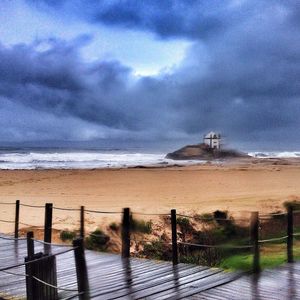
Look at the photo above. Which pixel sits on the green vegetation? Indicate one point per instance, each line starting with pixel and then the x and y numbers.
pixel 238 262
pixel 224 233
pixel 205 218
pixel 67 235
pixel 208 229
pixel 141 226
pixel 220 229
pixel 219 214
pixel 185 225
pixel 207 257
pixel 157 250
pixel 114 226
pixel 295 204
pixel 244 261
pixel 97 240
pixel 297 231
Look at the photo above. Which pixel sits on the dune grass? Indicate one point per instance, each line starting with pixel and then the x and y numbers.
pixel 272 256
pixel 244 261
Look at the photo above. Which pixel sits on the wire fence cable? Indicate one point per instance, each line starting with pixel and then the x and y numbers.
pixel 7 221
pixel 7 203
pixel 273 239
pixel 51 244
pixel 198 218
pixel 34 261
pixel 11 238
pixel 32 206
pixel 102 212
pixel 53 286
pixel 217 246
pixel 66 209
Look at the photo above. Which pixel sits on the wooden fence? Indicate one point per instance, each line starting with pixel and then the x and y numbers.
pixel 78 245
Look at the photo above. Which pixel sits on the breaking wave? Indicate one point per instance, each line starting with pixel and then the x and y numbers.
pixel 28 160
pixel 284 154
pixel 82 160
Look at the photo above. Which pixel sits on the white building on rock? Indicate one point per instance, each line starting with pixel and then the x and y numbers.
pixel 213 140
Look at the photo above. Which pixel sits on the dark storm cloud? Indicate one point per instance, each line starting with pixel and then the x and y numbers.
pixel 56 80
pixel 239 77
pixel 168 18
pixel 49 78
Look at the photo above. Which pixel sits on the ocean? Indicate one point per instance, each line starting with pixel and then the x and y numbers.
pixel 30 159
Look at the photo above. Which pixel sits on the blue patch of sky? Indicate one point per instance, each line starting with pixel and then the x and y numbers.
pixel 144 53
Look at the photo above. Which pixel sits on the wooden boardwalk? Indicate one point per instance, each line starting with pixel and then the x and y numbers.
pixel 110 277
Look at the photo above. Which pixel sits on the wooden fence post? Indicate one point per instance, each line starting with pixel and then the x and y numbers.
pixel 30 245
pixel 48 223
pixel 82 221
pixel 174 237
pixel 44 269
pixel 17 217
pixel 81 269
pixel 254 230
pixel 48 226
pixel 29 267
pixel 126 233
pixel 290 234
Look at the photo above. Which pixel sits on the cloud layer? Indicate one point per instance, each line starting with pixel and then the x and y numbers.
pixel 240 76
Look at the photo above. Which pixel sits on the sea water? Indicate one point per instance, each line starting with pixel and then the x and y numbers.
pixel 82 159
pixel 14 159
pixel 278 154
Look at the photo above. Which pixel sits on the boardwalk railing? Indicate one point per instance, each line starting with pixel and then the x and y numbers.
pixel 254 246
pixel 39 270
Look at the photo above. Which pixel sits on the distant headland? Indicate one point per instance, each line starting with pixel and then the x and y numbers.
pixel 208 150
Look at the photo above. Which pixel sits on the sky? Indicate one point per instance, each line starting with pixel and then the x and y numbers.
pixel 142 72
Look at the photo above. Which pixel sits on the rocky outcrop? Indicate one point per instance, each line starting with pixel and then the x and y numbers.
pixel 203 152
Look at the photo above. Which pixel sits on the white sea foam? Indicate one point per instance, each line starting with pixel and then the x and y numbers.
pixel 283 154
pixel 50 159
pixel 82 160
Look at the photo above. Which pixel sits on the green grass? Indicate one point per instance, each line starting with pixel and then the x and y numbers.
pixel 141 226
pixel 97 240
pixel 244 262
pixel 267 260
pixel 67 235
pixel 157 250
pixel 114 226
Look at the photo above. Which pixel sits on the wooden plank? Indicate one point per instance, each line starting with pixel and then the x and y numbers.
pixel 199 286
pixel 140 278
pixel 136 277
pixel 168 283
pixel 139 285
pixel 147 278
pixel 179 287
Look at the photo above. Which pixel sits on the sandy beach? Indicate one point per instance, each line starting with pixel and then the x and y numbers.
pixel 241 187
